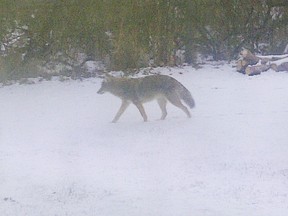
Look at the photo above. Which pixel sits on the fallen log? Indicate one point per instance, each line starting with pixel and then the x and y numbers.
pixel 241 66
pixel 250 58
pixel 282 67
pixel 251 64
pixel 256 69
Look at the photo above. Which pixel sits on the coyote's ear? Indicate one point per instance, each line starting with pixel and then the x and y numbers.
pixel 108 77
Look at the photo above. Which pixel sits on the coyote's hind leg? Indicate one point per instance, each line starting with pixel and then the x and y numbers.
pixel 162 103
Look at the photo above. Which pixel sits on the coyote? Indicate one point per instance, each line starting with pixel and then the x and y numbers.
pixel 141 90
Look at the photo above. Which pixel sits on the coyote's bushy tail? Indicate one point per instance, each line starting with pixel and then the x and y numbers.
pixel 186 96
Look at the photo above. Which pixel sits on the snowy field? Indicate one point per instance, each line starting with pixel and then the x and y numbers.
pixel 61 156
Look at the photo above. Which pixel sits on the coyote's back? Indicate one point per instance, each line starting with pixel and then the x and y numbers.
pixel 140 90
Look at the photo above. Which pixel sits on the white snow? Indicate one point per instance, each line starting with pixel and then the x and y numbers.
pixel 60 155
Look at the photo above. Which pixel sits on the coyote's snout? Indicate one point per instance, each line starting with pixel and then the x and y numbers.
pixel 140 90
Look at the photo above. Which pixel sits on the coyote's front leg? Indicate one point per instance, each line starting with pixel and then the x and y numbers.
pixel 121 110
pixel 141 109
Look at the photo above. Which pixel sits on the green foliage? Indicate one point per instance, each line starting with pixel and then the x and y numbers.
pixel 130 34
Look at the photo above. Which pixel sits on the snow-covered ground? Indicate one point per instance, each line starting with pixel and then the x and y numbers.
pixel 60 155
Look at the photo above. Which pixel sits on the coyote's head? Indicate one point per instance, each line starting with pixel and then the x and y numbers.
pixel 105 86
